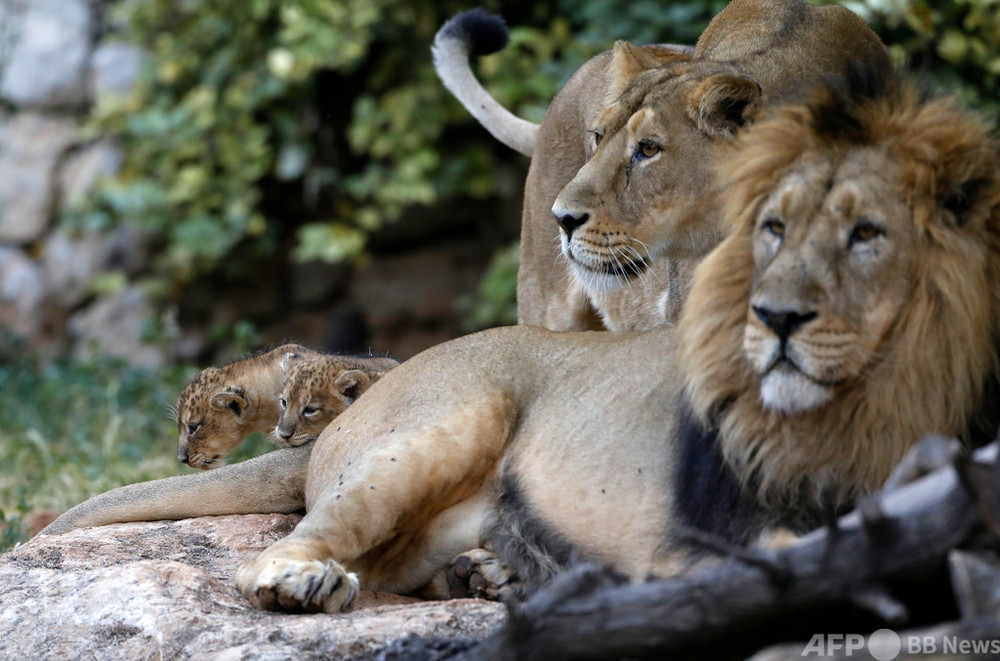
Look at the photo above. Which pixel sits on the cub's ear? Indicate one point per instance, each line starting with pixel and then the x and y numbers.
pixel 723 103
pixel 628 61
pixel 230 399
pixel 351 384
pixel 289 359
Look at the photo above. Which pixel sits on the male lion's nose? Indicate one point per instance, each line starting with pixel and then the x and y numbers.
pixel 569 219
pixel 783 322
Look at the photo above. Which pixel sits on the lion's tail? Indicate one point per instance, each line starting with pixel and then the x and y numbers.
pixel 477 32
pixel 272 482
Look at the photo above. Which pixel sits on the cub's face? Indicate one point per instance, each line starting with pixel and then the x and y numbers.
pixel 211 420
pixel 303 415
pixel 315 392
pixel 833 251
pixel 644 195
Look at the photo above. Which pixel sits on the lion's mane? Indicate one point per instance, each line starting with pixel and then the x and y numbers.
pixel 935 364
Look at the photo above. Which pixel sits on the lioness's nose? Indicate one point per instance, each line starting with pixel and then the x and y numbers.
pixel 569 219
pixel 783 322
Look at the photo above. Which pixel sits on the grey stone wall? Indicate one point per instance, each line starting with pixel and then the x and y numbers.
pixel 55 64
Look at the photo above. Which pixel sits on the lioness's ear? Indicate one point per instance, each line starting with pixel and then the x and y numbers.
pixel 628 61
pixel 351 384
pixel 230 399
pixel 723 103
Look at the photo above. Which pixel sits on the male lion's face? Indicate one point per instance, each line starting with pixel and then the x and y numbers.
pixel 833 267
pixel 644 193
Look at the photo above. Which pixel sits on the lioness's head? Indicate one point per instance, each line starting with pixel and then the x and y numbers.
pixel 643 192
pixel 855 307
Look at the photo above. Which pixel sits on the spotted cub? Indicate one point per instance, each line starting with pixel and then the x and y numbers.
pixel 318 389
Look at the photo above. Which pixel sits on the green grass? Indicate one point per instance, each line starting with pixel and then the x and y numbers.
pixel 72 429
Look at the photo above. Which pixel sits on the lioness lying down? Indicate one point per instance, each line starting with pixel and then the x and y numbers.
pixel 852 309
pixel 618 202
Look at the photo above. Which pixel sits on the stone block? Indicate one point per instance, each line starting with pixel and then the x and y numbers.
pixel 49 53
pixel 31 146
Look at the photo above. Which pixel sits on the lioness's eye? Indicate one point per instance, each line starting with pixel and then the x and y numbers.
pixel 645 149
pixel 864 231
pixel 598 135
pixel 774 226
pixel 282 403
pixel 309 410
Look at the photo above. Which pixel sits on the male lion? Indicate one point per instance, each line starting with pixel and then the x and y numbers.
pixel 852 310
pixel 624 157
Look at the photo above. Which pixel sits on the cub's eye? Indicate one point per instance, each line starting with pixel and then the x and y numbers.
pixel 282 403
pixel 863 232
pixel 192 428
pixel 310 410
pixel 774 227
pixel 645 149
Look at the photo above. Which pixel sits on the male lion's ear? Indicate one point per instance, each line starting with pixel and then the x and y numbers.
pixel 230 399
pixel 628 61
pixel 723 103
pixel 351 384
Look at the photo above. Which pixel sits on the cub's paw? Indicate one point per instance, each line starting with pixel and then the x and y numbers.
pixel 297 586
pixel 478 573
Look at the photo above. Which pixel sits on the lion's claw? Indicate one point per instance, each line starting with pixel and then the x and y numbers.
pixel 299 586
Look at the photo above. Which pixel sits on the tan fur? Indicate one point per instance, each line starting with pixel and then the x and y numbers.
pixel 317 390
pixel 661 220
pixel 585 425
pixel 224 405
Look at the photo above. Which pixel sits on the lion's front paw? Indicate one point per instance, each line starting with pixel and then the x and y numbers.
pixel 297 586
pixel 479 573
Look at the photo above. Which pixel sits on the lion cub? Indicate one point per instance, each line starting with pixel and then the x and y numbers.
pixel 224 405
pixel 318 389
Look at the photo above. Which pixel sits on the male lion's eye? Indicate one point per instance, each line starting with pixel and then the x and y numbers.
pixel 863 232
pixel 774 226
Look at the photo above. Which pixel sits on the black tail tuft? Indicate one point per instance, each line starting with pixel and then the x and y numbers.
pixel 482 32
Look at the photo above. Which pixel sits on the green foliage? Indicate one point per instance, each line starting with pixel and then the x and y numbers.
pixel 494 302
pixel 336 102
pixel 13 528
pixel 954 46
